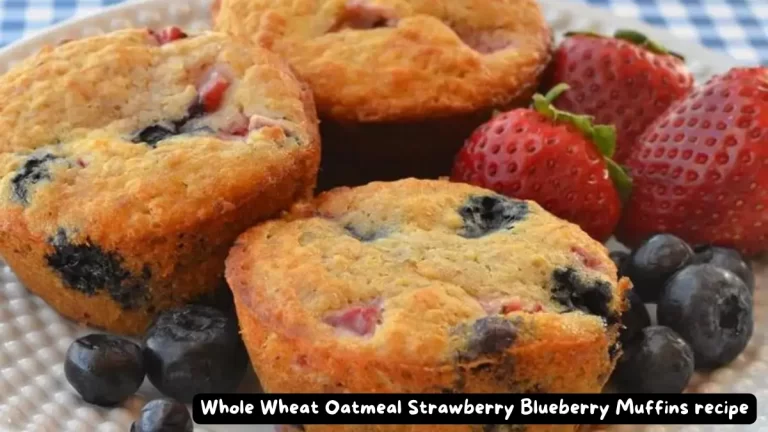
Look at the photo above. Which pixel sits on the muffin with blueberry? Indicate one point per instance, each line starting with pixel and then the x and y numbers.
pixel 131 161
pixel 399 83
pixel 425 286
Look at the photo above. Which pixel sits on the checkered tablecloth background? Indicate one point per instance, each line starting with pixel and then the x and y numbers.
pixel 737 27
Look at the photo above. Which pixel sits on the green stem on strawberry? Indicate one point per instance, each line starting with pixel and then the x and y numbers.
pixel 638 38
pixel 621 179
pixel 603 136
pixel 635 37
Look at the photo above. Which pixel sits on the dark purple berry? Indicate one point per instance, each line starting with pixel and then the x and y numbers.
pixel 89 269
pixel 712 310
pixel 654 262
pixel 35 169
pixel 163 415
pixel 194 349
pixel 488 336
pixel 573 291
pixel 634 319
pixel 104 369
pixel 486 214
pixel 151 135
pixel 658 360
pixel 619 258
pixel 726 259
pixel 363 235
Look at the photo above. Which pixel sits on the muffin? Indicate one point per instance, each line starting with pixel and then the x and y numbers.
pixel 131 161
pixel 425 286
pixel 399 84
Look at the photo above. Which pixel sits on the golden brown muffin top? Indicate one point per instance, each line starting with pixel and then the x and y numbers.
pixel 112 132
pixel 425 272
pixel 395 60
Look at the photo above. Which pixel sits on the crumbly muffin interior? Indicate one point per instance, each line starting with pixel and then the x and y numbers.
pixel 411 268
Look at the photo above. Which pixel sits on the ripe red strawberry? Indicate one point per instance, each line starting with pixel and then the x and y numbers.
pixel 558 159
pixel 701 170
pixel 627 81
pixel 168 35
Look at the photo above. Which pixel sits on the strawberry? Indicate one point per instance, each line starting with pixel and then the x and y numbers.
pixel 212 91
pixel 701 170
pixel 558 159
pixel 627 81
pixel 359 320
pixel 168 35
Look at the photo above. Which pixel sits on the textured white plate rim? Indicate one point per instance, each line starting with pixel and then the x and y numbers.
pixel 28 383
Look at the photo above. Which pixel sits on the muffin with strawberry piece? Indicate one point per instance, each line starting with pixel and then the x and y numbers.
pixel 129 162
pixel 426 286
pixel 398 83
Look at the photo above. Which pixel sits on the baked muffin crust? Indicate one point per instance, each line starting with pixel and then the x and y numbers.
pixel 425 286
pixel 400 60
pixel 124 182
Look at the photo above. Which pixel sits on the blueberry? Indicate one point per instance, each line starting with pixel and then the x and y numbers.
pixel 483 215
pixel 364 235
pixel 34 170
pixel 489 335
pixel 657 361
pixel 634 319
pixel 163 415
pixel 575 293
pixel 196 110
pixel 711 308
pixel 104 369
pixel 727 259
pixel 194 349
pixel 654 262
pixel 619 258
pixel 89 269
pixel 152 135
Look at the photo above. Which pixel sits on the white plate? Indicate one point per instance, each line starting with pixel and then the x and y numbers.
pixel 34 395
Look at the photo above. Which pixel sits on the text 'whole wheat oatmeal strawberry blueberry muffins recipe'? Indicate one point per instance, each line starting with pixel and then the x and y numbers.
pixel 399 84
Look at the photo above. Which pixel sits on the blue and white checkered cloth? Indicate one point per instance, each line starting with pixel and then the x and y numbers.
pixel 736 27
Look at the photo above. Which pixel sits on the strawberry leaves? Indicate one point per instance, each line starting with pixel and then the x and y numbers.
pixel 642 40
pixel 634 37
pixel 603 136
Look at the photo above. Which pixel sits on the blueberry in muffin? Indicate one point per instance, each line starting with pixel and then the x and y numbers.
pixel 131 161
pixel 399 84
pixel 425 286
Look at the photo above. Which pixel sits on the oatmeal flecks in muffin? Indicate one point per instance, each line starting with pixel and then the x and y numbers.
pixel 425 307
pixel 127 167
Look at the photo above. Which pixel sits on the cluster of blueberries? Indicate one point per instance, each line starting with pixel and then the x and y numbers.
pixel 189 350
pixel 704 313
